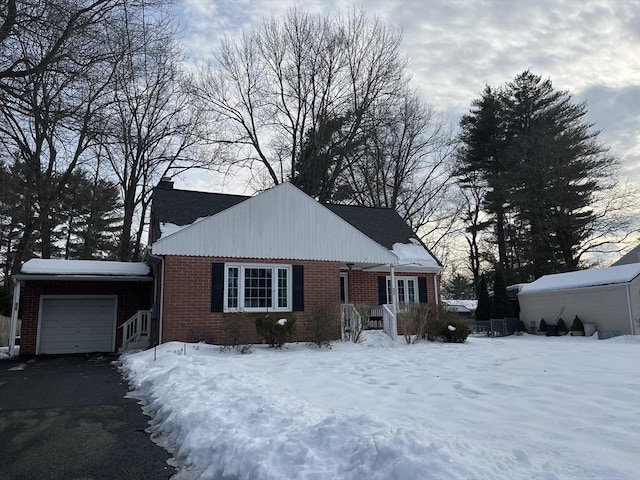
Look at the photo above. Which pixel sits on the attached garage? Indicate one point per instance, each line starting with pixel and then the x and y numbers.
pixel 78 306
pixel 77 324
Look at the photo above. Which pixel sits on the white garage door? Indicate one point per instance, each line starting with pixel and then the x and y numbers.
pixel 77 325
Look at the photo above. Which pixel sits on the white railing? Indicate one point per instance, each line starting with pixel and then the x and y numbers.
pixel 351 322
pixel 389 321
pixel 135 331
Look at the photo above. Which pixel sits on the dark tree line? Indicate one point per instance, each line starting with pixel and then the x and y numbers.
pixel 532 170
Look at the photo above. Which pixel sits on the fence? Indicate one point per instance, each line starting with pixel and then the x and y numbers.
pixel 5 326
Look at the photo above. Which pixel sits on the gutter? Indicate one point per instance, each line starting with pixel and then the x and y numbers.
pixel 81 277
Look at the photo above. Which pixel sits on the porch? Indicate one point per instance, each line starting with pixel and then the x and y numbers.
pixel 355 319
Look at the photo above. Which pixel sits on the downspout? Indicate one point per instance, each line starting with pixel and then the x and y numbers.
pixel 155 293
pixel 15 306
pixel 630 309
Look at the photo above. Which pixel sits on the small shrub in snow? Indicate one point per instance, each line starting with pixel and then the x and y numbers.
pixel 543 326
pixel 577 325
pixel 325 325
pixel 276 328
pixel 456 331
pixel 521 327
pixel 355 333
pixel 414 319
pixel 562 327
pixel 233 333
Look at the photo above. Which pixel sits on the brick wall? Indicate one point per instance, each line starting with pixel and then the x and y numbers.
pixel 187 298
pixel 132 296
pixel 363 285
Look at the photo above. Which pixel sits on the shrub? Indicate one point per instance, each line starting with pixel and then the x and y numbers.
pixel 543 326
pixel 577 325
pixel 276 329
pixel 456 331
pixel 562 327
pixel 325 325
pixel 232 333
pixel 414 320
pixel 521 327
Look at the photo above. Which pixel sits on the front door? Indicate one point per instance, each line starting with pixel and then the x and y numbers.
pixel 344 288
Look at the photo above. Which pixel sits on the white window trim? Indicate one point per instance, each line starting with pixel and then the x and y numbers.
pixel 274 287
pixel 403 277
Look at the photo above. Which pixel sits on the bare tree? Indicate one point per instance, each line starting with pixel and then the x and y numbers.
pixel 48 106
pixel 266 91
pixel 404 164
pixel 149 130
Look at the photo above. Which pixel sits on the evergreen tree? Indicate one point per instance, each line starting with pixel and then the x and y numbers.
pixel 483 310
pixel 500 305
pixel 541 165
pixel 459 287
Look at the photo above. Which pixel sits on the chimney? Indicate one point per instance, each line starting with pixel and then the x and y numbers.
pixel 165 182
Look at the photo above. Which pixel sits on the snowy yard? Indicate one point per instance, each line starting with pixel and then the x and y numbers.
pixel 512 408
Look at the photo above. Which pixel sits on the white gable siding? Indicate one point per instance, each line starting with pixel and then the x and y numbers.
pixel 282 222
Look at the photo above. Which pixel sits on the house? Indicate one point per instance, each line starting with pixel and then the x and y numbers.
pixel 210 255
pixel 632 256
pixel 606 297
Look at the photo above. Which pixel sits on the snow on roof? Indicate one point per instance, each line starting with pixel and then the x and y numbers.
pixel 468 304
pixel 83 267
pixel 413 254
pixel 583 278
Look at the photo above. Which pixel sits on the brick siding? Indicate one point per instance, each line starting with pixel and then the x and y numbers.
pixel 187 302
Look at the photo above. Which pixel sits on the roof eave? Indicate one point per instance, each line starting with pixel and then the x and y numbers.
pixel 82 277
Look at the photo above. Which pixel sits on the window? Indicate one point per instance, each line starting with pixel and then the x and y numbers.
pixel 407 291
pixel 257 288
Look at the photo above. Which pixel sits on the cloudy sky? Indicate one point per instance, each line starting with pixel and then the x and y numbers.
pixel 455 47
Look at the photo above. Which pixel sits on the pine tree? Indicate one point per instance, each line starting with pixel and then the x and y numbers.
pixel 541 165
pixel 500 305
pixel 483 310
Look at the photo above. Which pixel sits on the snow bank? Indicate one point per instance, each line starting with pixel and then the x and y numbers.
pixel 523 407
pixel 83 267
pixel 583 278
pixel 413 254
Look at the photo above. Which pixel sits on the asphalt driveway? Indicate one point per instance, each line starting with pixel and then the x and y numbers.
pixel 66 417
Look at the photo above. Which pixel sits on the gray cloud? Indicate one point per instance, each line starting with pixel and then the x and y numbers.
pixel 455 48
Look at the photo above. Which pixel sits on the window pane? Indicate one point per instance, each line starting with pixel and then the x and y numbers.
pixel 232 287
pixel 401 292
pixel 257 287
pixel 411 291
pixel 283 296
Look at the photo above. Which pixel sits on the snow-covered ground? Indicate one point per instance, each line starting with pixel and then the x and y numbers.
pixel 521 407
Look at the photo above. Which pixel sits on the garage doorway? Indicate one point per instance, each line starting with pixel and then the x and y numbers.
pixel 77 324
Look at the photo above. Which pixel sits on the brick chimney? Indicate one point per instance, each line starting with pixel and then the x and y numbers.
pixel 165 182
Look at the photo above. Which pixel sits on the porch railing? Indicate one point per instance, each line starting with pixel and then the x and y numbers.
pixel 389 321
pixel 135 331
pixel 351 322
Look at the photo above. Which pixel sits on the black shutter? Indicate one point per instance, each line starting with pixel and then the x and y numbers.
pixel 422 289
pixel 217 287
pixel 382 289
pixel 297 272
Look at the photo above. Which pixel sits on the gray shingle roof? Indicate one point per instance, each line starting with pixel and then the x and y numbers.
pixel 633 256
pixel 183 207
